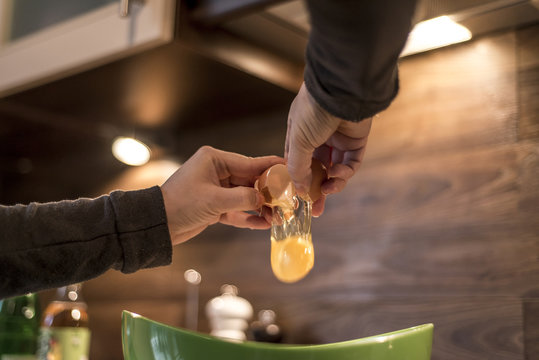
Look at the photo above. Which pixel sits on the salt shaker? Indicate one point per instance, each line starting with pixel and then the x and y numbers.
pixel 229 314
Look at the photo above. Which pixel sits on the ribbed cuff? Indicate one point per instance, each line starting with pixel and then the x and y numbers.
pixel 142 229
pixel 346 107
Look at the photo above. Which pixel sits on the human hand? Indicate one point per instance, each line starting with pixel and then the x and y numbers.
pixel 214 186
pixel 313 132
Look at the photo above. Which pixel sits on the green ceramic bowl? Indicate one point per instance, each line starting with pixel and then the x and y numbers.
pixel 145 339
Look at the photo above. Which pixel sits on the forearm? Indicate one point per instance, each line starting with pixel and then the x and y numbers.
pixel 54 244
pixel 352 54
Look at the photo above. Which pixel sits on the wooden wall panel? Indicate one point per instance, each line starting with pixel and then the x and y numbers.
pixel 528 78
pixel 455 98
pixel 440 225
pixel 531 330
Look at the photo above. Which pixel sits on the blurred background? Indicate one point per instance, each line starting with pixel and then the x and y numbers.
pixel 440 225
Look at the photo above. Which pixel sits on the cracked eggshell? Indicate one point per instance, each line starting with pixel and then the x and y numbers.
pixel 319 176
pixel 275 185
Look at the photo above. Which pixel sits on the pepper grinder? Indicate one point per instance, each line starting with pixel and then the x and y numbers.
pixel 229 314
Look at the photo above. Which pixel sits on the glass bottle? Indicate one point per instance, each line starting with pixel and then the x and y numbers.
pixel 64 329
pixel 19 327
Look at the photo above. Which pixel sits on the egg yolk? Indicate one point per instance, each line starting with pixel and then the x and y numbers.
pixel 292 257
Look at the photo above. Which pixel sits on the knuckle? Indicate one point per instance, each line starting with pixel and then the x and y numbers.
pixel 206 150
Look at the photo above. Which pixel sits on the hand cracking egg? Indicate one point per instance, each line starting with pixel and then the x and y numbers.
pixel 292 252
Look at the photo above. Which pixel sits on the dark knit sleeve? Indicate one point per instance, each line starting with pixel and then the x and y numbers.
pixel 55 244
pixel 352 54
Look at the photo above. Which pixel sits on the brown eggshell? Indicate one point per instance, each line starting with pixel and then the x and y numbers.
pixel 273 184
pixel 319 176
pixel 275 181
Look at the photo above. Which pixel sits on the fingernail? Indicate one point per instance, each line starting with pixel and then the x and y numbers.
pixel 325 190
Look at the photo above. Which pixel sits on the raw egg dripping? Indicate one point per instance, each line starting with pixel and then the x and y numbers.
pixel 292 251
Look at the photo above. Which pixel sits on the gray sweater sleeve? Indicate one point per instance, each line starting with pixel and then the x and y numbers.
pixel 352 54
pixel 54 244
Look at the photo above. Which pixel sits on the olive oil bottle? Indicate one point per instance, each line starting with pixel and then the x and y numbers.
pixel 19 327
pixel 64 333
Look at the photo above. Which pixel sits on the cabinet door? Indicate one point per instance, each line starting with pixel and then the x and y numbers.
pixel 42 41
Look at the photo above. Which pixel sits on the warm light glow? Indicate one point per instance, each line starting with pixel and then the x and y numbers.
pixel 435 33
pixel 75 314
pixel 154 172
pixel 130 151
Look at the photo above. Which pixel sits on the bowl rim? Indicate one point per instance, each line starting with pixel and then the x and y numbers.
pixel 379 338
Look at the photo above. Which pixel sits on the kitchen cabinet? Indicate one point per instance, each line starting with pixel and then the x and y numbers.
pixel 43 41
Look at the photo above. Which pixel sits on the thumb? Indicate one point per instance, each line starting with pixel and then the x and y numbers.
pixel 309 127
pixel 238 198
pixel 299 167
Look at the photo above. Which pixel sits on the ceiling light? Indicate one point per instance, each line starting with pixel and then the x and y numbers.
pixel 130 151
pixel 435 33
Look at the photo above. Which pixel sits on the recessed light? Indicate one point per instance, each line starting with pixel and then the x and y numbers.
pixel 435 33
pixel 130 151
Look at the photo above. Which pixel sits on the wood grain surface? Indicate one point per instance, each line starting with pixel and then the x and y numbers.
pixel 531 330
pixel 455 98
pixel 440 225
pixel 528 82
